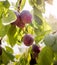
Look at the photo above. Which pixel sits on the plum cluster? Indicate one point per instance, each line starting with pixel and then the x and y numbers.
pixel 23 18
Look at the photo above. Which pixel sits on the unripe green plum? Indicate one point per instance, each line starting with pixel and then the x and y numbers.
pixel 18 22
pixel 0 50
pixel 54 47
pixel 55 35
pixel 28 39
pixel 49 39
pixel 26 16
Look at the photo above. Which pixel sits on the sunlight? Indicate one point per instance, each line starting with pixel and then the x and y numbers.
pixel 51 9
pixel 51 14
pixel 54 10
pixel 26 7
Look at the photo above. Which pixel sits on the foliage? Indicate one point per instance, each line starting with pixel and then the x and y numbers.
pixel 38 28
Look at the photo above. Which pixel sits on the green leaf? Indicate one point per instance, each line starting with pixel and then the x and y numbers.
pixel 39 37
pixel 37 15
pixel 3 29
pixel 29 29
pixel 24 59
pixel 45 56
pixel 38 20
pixel 6 4
pixel 31 2
pixel 55 54
pixel 41 7
pixel 37 12
pixel 1 9
pixel 0 59
pixel 9 17
pixel 8 49
pixel 40 31
pixel 39 2
pixel 12 37
pixel 22 4
pixel 35 24
pixel 1 4
pixel 6 57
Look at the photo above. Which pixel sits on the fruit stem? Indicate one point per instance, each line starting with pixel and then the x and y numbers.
pixel 18 9
pixel 0 40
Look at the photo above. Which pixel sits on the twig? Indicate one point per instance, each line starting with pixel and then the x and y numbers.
pixel 19 5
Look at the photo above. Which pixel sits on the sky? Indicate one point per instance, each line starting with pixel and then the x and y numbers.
pixel 50 9
pixel 26 7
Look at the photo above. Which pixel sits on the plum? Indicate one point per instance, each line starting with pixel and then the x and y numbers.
pixel 18 22
pixel 54 47
pixel 49 40
pixel 0 50
pixel 26 16
pixel 35 49
pixel 28 39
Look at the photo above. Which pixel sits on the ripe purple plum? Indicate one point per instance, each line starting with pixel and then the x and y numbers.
pixel 26 16
pixel 18 21
pixel 28 39
pixel 35 48
pixel 0 50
